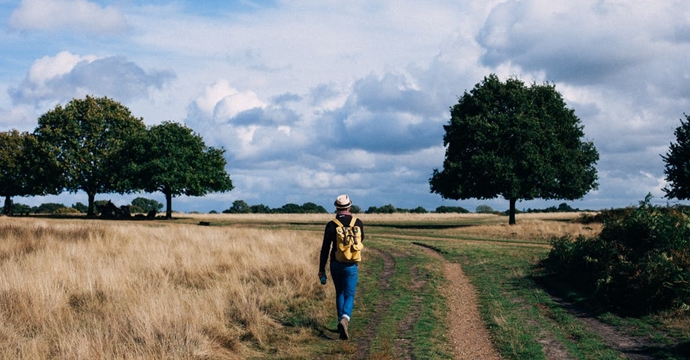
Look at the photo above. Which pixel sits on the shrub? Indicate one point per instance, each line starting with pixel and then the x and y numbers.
pixel 48 208
pixel 484 209
pixel 640 263
pixel 66 210
pixel 259 209
pixel 311 208
pixel 81 207
pixel 238 207
pixel 17 208
pixel 134 209
pixel 147 205
pixel 451 209
pixel 385 209
pixel 419 210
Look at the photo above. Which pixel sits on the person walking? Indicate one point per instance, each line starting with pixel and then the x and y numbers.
pixel 343 264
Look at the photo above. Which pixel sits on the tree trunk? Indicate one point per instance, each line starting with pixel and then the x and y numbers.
pixel 7 209
pixel 92 198
pixel 168 205
pixel 511 218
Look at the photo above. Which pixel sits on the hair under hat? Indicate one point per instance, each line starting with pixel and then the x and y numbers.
pixel 342 202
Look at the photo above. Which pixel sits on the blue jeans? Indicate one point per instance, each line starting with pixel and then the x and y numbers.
pixel 344 277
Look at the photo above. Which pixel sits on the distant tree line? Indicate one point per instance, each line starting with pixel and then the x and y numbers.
pixel 241 207
pixel 144 205
pixel 138 205
pixel 95 145
pixel 563 207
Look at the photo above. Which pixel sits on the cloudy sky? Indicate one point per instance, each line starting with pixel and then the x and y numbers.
pixel 311 99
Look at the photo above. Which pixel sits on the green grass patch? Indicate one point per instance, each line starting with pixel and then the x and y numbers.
pixel 414 318
pixel 522 317
pixel 406 318
pixel 402 317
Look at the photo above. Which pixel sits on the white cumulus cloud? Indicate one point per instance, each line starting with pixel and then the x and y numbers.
pixel 78 15
pixel 220 101
pixel 65 76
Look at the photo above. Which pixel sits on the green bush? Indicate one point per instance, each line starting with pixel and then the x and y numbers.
pixel 17 208
pixel 451 209
pixel 48 208
pixel 385 209
pixel 134 209
pixel 419 210
pixel 66 210
pixel 639 263
pixel 81 207
pixel 484 209
pixel 146 205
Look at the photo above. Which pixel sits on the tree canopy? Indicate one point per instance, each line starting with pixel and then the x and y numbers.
pixel 12 172
pixel 677 168
pixel 518 142
pixel 172 159
pixel 27 167
pixel 87 135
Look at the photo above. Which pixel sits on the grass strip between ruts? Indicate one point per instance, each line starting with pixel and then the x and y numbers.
pixel 403 317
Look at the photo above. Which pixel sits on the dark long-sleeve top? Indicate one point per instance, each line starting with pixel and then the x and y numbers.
pixel 329 238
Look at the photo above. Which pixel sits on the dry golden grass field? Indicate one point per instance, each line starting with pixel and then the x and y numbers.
pixel 93 289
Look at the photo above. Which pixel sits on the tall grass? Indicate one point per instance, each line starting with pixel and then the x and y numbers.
pixel 529 228
pixel 85 290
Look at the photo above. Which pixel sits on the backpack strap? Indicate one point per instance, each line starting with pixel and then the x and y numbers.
pixel 352 222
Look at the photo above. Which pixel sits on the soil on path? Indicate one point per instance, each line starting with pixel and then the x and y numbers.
pixel 364 342
pixel 466 334
pixel 471 339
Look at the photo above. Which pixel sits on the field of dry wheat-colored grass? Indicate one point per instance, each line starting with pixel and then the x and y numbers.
pixel 85 289
pixel 384 218
pixel 75 289
pixel 533 226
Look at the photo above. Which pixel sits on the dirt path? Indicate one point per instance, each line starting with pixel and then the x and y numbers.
pixel 631 347
pixel 471 340
pixel 467 334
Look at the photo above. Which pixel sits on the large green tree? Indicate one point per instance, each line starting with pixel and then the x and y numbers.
pixel 28 168
pixel 88 135
pixel 677 161
pixel 12 181
pixel 514 141
pixel 172 159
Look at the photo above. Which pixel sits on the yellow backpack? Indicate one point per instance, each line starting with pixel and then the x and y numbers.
pixel 348 242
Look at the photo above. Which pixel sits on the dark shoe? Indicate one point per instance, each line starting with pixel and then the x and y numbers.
pixel 342 328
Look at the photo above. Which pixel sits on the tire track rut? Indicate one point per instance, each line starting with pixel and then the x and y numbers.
pixel 381 307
